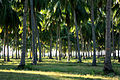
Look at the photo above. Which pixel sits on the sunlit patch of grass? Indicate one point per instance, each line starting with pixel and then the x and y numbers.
pixel 60 70
pixel 59 74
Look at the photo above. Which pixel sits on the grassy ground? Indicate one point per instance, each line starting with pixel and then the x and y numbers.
pixel 51 69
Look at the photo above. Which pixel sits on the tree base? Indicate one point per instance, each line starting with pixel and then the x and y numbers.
pixel 94 64
pixel 56 58
pixel 40 61
pixel 8 61
pixel 33 63
pixel 75 58
pixel 83 57
pixel 88 58
pixel 64 57
pixel 107 71
pixel 79 61
pixel 51 58
pixel 118 59
pixel 21 67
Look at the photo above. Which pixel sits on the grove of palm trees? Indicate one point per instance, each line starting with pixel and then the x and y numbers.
pixel 59 39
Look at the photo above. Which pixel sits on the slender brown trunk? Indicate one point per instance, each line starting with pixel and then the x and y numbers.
pixel 31 52
pixel 98 53
pixel 91 49
pixel 12 54
pixel 44 53
pixel 39 43
pixel 59 43
pixel 84 50
pixel 56 49
pixel 76 55
pixel 119 48
pixel 36 50
pixel 50 57
pixel 78 46
pixel 113 42
pixel 68 55
pixel 101 53
pixel 68 30
pixel 8 59
pixel 33 33
pixel 4 45
pixel 88 48
pixel 37 38
pixel 93 34
pixel 3 49
pixel 7 36
pixel 107 63
pixel 16 43
pixel 18 46
pixel 18 53
pixel 22 62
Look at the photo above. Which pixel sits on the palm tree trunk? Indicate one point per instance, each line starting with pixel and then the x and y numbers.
pixel 44 53
pixel 36 49
pixel 98 53
pixel 0 55
pixel 68 55
pixel 3 48
pixel 101 53
pixel 119 48
pixel 12 54
pixel 76 55
pixel 8 59
pixel 31 52
pixel 56 47
pixel 84 49
pixel 88 48
pixel 4 45
pixel 91 49
pixel 107 63
pixel 114 53
pixel 16 44
pixel 78 47
pixel 93 34
pixel 39 43
pixel 31 37
pixel 36 34
pixel 68 30
pixel 33 33
pixel 18 53
pixel 59 43
pixel 50 57
pixel 22 62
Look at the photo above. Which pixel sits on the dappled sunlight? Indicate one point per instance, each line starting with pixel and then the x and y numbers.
pixel 60 70
pixel 60 74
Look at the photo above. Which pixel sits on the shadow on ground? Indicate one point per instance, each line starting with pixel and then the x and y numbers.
pixel 24 76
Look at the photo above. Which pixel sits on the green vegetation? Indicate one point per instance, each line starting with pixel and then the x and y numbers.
pixel 59 39
pixel 51 69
